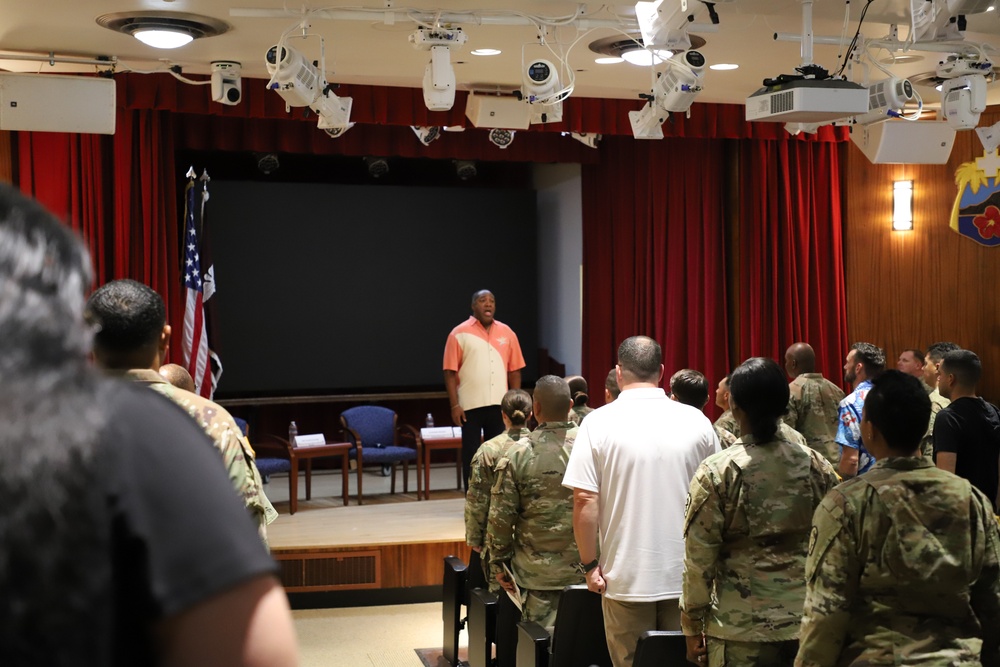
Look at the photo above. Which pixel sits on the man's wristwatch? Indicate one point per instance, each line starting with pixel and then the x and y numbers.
pixel 584 568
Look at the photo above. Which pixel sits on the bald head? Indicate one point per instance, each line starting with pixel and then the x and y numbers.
pixel 800 358
pixel 551 399
pixel 177 376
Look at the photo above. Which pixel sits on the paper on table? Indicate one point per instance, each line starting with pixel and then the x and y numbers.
pixel 514 595
pixel 441 432
pixel 310 440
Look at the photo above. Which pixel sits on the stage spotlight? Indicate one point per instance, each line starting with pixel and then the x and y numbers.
pixel 501 138
pixel 377 166
pixel 439 75
pixel 465 169
pixel 426 134
pixel 334 132
pixel 586 138
pixel 267 163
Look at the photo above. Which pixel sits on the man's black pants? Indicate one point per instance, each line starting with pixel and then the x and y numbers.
pixel 480 425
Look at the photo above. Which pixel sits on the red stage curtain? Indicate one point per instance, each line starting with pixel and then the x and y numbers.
pixel 119 193
pixel 66 173
pixel 654 253
pixel 791 252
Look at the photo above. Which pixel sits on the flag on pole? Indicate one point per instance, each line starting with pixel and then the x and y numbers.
pixel 194 343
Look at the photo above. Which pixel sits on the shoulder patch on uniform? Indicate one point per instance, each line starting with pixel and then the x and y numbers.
pixel 813 534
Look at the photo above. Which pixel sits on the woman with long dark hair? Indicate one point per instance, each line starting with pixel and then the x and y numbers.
pixel 747 529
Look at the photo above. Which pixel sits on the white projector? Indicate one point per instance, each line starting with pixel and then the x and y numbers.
pixel 807 101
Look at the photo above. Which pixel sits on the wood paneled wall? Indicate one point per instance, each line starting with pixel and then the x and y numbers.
pixel 910 289
pixel 6 157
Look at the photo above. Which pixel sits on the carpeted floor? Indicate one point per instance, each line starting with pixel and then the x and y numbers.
pixel 372 636
pixel 432 657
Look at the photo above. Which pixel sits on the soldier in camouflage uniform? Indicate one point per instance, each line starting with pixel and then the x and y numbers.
pixel 904 561
pixel 515 409
pixel 932 362
pixel 813 402
pixel 531 513
pixel 746 531
pixel 131 343
pixel 579 394
pixel 726 421
pixel 690 387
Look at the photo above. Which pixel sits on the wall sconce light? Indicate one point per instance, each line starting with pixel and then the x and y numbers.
pixel 902 206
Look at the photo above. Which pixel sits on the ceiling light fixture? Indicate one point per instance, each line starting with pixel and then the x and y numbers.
pixel 163 30
pixel 609 60
pixel 722 67
pixel 646 58
pixel 486 52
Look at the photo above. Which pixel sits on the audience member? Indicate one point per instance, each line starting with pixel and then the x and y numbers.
pixel 911 362
pixel 813 402
pixel 967 432
pixel 121 542
pixel 903 561
pixel 178 376
pixel 131 342
pixel 515 409
pixel 932 360
pixel 475 387
pixel 629 471
pixel 746 532
pixel 530 529
pixel 611 389
pixel 864 362
pixel 726 421
pixel 579 393
pixel 690 387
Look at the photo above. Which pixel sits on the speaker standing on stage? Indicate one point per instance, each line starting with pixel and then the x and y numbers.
pixel 482 360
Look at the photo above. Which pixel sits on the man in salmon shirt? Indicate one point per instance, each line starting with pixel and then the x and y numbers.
pixel 482 360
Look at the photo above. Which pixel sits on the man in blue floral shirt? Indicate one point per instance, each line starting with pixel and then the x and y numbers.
pixel 864 362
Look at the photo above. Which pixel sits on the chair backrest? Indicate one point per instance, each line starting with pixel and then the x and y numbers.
pixel 242 423
pixel 661 648
pixel 375 425
pixel 578 638
pixel 453 592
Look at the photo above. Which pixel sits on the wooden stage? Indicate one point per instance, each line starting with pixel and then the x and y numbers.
pixel 327 547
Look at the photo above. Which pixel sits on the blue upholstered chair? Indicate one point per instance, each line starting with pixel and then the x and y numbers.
pixel 378 439
pixel 274 459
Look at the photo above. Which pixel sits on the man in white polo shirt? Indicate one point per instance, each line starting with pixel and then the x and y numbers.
pixel 482 360
pixel 630 470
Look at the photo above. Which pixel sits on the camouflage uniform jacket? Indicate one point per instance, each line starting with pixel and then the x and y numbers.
pixel 728 422
pixel 938 403
pixel 578 412
pixel 814 411
pixel 481 479
pixel 726 439
pixel 531 512
pixel 237 454
pixel 746 533
pixel 903 569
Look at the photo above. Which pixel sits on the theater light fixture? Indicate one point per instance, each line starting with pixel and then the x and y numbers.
pixel 902 206
pixel 163 30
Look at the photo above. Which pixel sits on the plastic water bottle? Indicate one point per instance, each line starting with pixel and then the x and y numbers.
pixel 293 432
pixel 429 422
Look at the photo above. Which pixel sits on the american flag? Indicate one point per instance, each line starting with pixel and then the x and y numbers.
pixel 200 288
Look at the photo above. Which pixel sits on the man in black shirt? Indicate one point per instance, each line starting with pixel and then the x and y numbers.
pixel 967 432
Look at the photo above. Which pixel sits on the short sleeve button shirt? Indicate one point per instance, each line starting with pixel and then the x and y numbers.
pixel 482 359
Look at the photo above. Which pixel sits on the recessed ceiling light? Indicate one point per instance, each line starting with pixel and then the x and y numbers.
pixel 990 8
pixel 645 58
pixel 163 30
pixel 486 52
pixel 163 39
pixel 608 61
pixel 723 66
